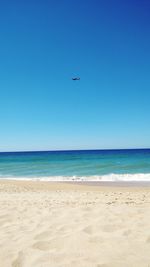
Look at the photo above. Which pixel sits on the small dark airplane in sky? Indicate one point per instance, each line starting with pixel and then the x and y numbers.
pixel 76 79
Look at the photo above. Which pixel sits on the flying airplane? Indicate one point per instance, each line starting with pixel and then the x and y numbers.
pixel 76 79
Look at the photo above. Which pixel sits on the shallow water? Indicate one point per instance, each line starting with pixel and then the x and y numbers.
pixel 99 165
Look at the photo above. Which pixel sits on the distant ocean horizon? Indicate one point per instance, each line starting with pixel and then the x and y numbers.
pixel 77 165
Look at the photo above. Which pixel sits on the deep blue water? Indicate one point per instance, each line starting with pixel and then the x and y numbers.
pixel 81 164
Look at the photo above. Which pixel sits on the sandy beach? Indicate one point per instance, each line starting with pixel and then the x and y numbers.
pixel 45 224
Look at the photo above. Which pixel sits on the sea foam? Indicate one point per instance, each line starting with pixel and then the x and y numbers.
pixel 139 177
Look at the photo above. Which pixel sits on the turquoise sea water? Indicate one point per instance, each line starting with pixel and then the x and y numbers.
pixel 99 165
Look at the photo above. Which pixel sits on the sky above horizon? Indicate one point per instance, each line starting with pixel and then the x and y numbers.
pixel 44 44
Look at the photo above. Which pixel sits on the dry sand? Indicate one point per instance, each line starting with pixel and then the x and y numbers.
pixel 69 225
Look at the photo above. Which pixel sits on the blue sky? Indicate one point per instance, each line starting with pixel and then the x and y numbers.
pixel 43 44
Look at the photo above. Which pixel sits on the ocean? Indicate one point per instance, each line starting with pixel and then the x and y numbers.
pixel 77 165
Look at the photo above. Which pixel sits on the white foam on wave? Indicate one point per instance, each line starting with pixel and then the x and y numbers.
pixel 139 177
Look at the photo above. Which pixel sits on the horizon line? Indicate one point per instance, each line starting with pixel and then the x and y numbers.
pixel 69 150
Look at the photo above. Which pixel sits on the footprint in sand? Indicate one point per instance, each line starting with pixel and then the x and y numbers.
pixel 88 230
pixel 42 245
pixel 42 235
pixel 87 209
pixel 4 216
pixel 148 240
pixel 5 220
pixel 127 232
pixel 96 239
pixel 18 261
pixel 110 228
pixel 63 230
pixel 47 245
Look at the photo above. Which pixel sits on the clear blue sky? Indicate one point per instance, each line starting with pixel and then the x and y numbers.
pixel 46 42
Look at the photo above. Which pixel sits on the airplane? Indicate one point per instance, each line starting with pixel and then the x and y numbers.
pixel 76 79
